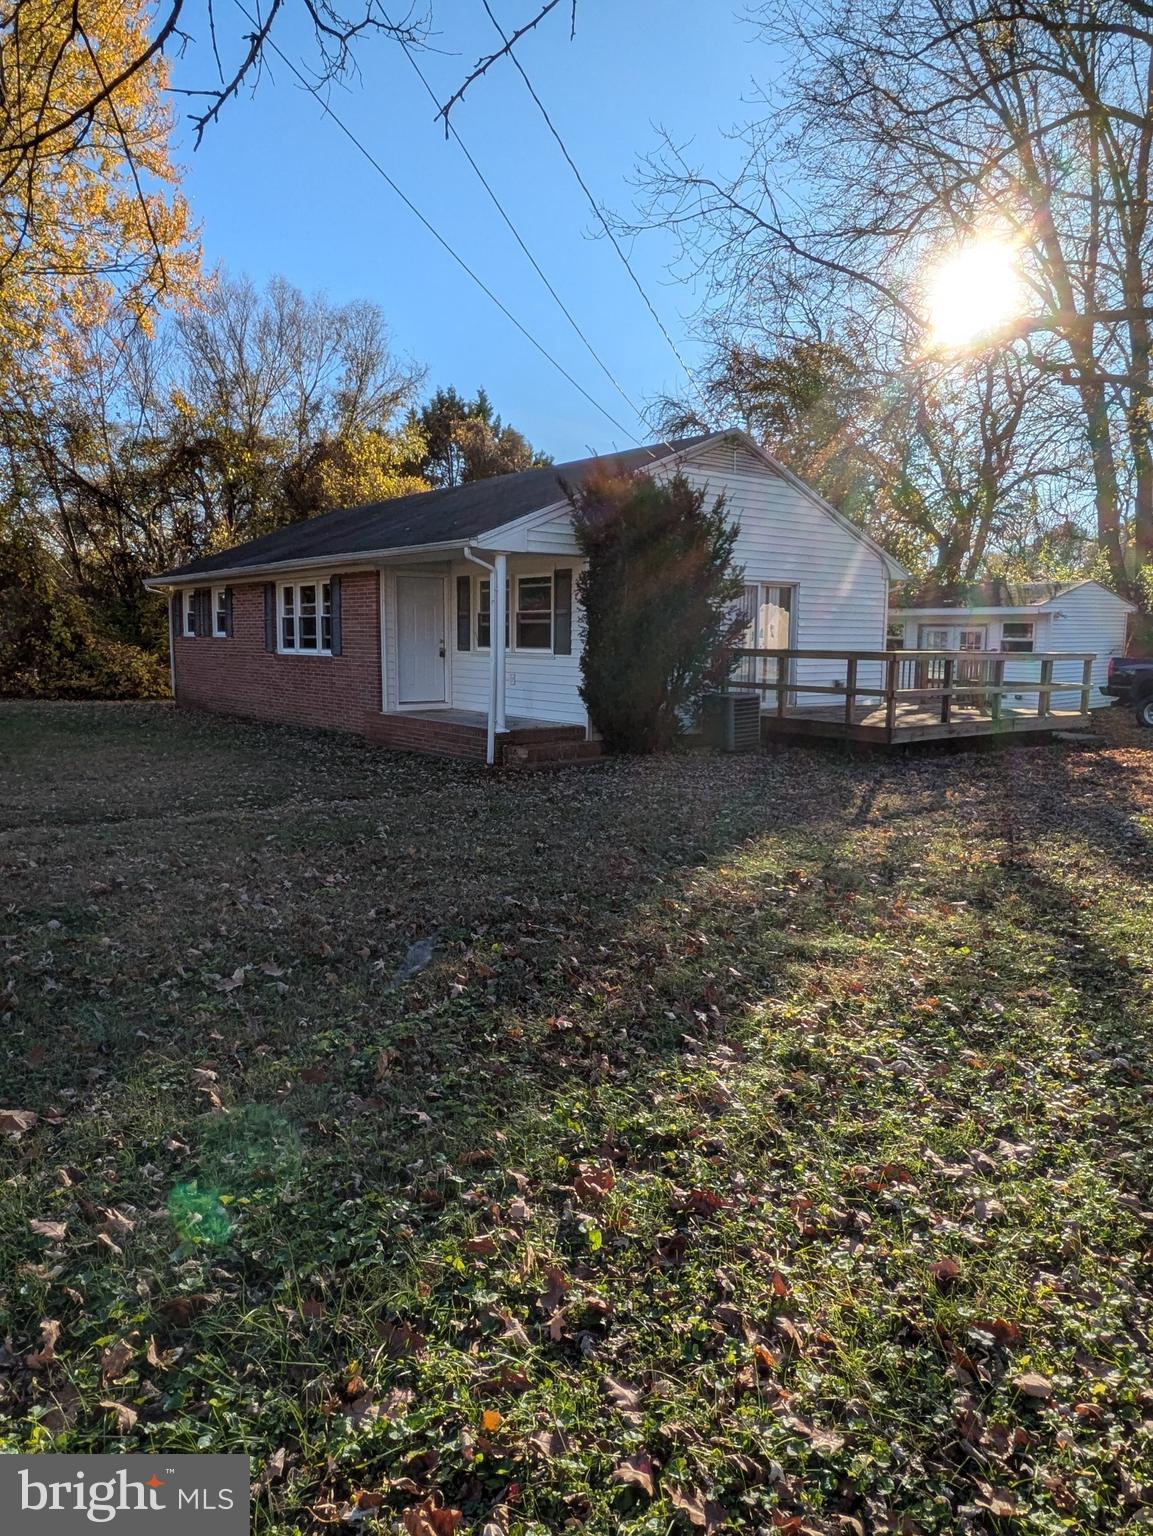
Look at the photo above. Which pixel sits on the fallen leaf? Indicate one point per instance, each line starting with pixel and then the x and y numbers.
pixel 54 1231
pixel 594 1184
pixel 1034 1385
pixel 118 1357
pixel 180 1310
pixel 430 1518
pixel 703 1512
pixel 125 1416
pixel 481 1247
pixel 549 1442
pixel 622 1396
pixel 637 1472
pixel 945 1272
pixel 491 1420
pixel 14 1122
pixel 50 1331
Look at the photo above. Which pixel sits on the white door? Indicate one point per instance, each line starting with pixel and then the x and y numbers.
pixel 420 639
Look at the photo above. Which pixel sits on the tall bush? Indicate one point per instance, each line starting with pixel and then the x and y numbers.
pixel 658 596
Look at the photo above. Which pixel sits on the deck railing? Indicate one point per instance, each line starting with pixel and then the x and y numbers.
pixel 935 681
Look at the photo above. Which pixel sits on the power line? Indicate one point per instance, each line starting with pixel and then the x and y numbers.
pixel 593 204
pixel 499 206
pixel 434 232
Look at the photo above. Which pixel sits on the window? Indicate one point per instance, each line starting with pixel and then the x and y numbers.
pixel 220 624
pixel 534 613
pixel 1017 635
pixel 934 637
pixel 484 614
pixel 895 636
pixel 306 618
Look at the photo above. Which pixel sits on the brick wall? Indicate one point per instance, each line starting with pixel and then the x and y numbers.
pixel 238 676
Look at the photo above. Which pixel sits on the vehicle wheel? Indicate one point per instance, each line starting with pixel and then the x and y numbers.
pixel 1145 712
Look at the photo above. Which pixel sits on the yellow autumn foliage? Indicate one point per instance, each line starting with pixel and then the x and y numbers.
pixel 90 218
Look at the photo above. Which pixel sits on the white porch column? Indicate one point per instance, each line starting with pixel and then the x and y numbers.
pixel 499 621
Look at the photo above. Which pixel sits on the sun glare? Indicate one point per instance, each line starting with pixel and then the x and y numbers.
pixel 975 290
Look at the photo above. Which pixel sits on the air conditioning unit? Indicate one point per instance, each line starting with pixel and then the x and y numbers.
pixel 732 721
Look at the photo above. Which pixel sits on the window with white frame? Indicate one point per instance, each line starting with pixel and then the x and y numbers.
pixel 220 612
pixel 534 613
pixel 895 635
pixel 306 618
pixel 484 614
pixel 190 611
pixel 1017 635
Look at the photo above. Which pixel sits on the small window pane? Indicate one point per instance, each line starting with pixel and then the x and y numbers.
pixel 289 598
pixel 220 611
pixel 308 599
pixel 534 613
pixel 307 633
pixel 326 633
pixel 288 632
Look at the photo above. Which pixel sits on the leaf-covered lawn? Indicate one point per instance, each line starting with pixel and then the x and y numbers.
pixel 765 1146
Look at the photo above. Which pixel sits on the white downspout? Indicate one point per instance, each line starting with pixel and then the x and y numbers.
pixel 494 650
pixel 500 629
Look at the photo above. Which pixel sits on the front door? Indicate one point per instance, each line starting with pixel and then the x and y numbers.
pixel 420 639
pixel 972 638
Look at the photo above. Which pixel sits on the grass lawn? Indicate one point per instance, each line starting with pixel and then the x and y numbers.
pixel 765 1147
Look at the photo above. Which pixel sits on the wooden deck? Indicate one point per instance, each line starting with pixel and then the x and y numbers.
pixel 892 697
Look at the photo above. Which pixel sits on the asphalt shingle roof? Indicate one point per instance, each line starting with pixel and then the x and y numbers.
pixel 981 594
pixel 453 515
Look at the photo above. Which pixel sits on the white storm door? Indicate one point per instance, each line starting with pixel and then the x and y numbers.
pixel 420 639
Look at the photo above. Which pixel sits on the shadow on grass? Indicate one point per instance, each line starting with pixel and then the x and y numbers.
pixel 743 990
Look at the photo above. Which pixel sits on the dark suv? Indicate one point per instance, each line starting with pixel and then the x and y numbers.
pixel 1131 682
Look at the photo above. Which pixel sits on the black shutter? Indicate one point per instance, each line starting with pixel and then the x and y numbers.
pixel 228 612
pixel 334 599
pixel 177 614
pixel 562 613
pixel 269 615
pixel 464 613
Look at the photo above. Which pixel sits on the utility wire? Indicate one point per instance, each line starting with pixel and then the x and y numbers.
pixel 593 204
pixel 499 206
pixel 434 232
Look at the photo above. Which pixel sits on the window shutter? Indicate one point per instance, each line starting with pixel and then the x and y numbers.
pixel 464 613
pixel 177 606
pixel 562 613
pixel 228 612
pixel 334 597
pixel 269 615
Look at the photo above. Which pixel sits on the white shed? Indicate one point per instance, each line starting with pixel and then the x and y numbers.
pixel 1021 618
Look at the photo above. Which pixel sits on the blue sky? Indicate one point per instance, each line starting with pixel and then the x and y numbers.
pixel 276 187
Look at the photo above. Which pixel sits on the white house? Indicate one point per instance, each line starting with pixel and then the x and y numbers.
pixel 381 619
pixel 1021 618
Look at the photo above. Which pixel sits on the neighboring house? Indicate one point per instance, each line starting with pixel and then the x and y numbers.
pixel 380 619
pixel 1019 618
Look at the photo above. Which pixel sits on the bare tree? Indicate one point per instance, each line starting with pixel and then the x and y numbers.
pixel 900 131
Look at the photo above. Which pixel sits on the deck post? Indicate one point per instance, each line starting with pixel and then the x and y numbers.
pixel 1045 692
pixel 892 676
pixel 850 688
pixel 782 669
pixel 995 697
pixel 947 675
pixel 1086 684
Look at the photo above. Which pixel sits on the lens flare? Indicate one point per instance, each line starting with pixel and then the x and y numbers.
pixel 973 291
